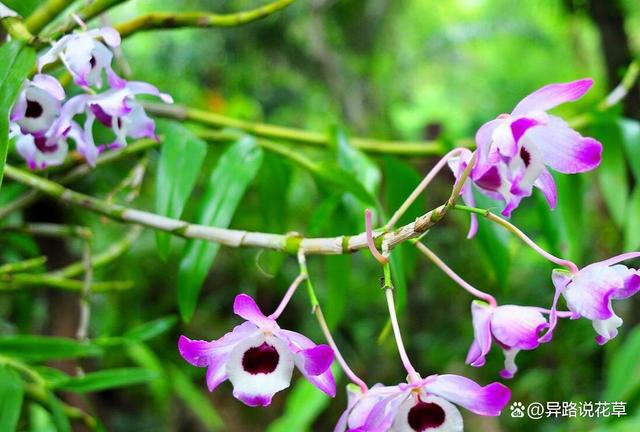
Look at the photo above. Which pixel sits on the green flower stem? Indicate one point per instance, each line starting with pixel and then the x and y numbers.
pixel 515 230
pixel 91 10
pixel 412 375
pixel 304 272
pixel 50 230
pixel 14 282
pixel 295 135
pixel 228 237
pixel 168 20
pixel 37 390
pixel 84 302
pixel 99 260
pixel 24 369
pixel 18 30
pixel 45 13
pixel 80 171
pixel 41 395
pixel 20 266
pixel 317 311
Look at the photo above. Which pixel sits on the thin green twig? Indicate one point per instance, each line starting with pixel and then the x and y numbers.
pixel 16 281
pixel 100 260
pixel 169 20
pixel 20 266
pixel 45 13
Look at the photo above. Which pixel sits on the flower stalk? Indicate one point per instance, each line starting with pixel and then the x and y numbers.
pixel 420 188
pixel 412 375
pixel 287 296
pixel 317 311
pixel 573 268
pixel 453 275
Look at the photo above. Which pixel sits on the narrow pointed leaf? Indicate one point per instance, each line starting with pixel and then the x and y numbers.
pixel 11 394
pixel 151 329
pixel 107 379
pixel 195 400
pixel 231 176
pixel 40 348
pixel 181 158
pixel 16 61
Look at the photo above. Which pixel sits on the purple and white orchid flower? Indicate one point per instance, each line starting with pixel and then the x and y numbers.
pixel 514 328
pixel 39 151
pixel 589 292
pixel 86 57
pixel 118 110
pixel 38 105
pixel 516 149
pixel 258 357
pixel 425 405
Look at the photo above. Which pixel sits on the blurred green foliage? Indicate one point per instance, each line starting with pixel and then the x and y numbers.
pixel 407 69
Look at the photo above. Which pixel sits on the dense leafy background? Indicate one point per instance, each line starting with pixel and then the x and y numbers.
pixel 407 69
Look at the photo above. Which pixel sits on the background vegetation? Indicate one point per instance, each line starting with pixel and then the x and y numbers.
pixel 407 70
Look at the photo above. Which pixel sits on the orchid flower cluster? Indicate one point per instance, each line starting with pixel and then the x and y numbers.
pixel 514 154
pixel 43 120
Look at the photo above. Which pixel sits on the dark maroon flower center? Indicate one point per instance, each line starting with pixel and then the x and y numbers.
pixel 526 156
pixel 41 144
pixel 425 415
pixel 261 359
pixel 92 62
pixel 34 109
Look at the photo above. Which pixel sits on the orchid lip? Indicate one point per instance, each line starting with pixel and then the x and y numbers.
pixel 425 415
pixel 34 109
pixel 262 359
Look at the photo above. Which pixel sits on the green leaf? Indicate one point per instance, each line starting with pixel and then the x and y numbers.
pixel 57 411
pixel 304 404
pixel 360 172
pixel 332 175
pixel 632 222
pixel 40 420
pixel 400 180
pixel 40 348
pixel 107 379
pixel 233 173
pixel 11 394
pixel 612 173
pixel 181 158
pixel 631 140
pixel 623 370
pixel 355 162
pixel 338 274
pixel 571 211
pixel 16 61
pixel 23 7
pixel 195 401
pixel 275 179
pixel 321 221
pixel 151 329
pixel 144 357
